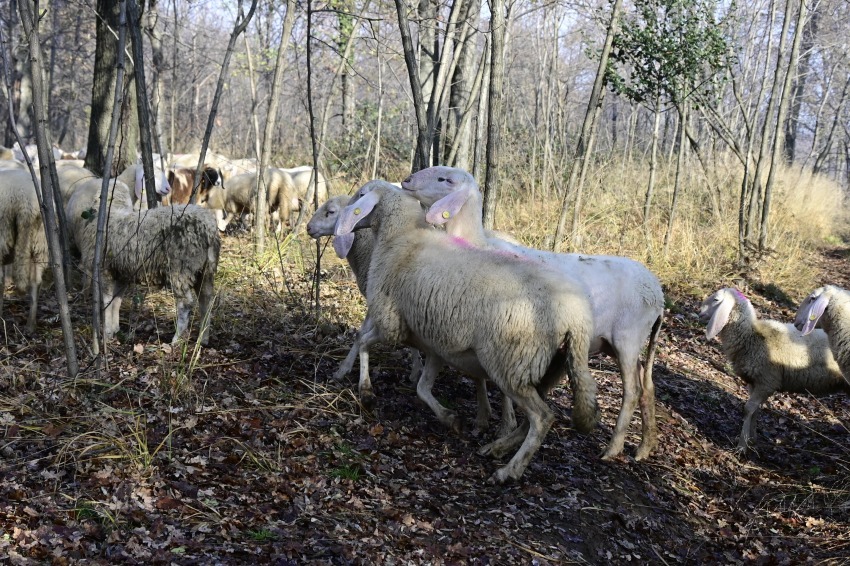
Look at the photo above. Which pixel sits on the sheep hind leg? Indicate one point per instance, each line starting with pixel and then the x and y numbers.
pixel 432 367
pixel 649 428
pixel 482 419
pixel 184 313
pixel 33 307
pixel 508 416
pixel 630 371
pixel 540 419
pixel 206 298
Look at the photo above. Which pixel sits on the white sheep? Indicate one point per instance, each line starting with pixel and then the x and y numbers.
pixel 626 298
pixel 829 305
pixel 356 247
pixel 134 176
pixel 22 240
pixel 768 355
pixel 302 178
pixel 485 313
pixel 237 198
pixel 175 246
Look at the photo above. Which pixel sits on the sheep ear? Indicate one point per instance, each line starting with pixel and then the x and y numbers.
pixel 812 313
pixel 719 318
pixel 140 181
pixel 353 213
pixel 447 207
pixel 343 243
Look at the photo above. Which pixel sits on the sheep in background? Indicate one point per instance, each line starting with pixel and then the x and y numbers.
pixel 302 179
pixel 70 177
pixel 237 198
pixel 6 154
pixel 175 246
pixel 134 176
pixel 233 167
pixel 22 240
pixel 486 313
pixel 829 305
pixel 626 298
pixel 7 164
pixel 182 182
pixel 768 355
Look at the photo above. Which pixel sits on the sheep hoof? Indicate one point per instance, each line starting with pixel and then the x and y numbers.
pixel 644 450
pixel 368 399
pixel 494 450
pixel 501 477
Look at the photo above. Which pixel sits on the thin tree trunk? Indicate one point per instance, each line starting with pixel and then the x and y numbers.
pixel 810 30
pixel 769 120
pixel 135 27
pixel 100 244
pixel 242 21
pixel 653 162
pixel 47 200
pixel 677 183
pixel 588 125
pixel 784 97
pixel 315 147
pixel 420 156
pixel 481 116
pixel 154 33
pixel 271 119
pixel 380 112
pixel 495 109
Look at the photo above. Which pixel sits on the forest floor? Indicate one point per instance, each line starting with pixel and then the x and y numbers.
pixel 247 451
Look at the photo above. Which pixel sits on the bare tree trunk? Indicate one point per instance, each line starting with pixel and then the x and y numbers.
pixel 820 159
pixel 314 145
pixel 810 30
pixel 768 121
pixel 152 30
pixel 100 244
pixel 377 156
pixel 271 119
pixel 784 97
pixel 48 191
pixel 462 87
pixel 495 110
pixel 680 162
pixel 587 128
pixel 135 28
pixel 24 71
pixel 653 162
pixel 242 21
pixel 420 156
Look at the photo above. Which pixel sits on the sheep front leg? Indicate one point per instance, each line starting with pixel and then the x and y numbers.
pixel 430 370
pixel 33 307
pixel 112 295
pixel 508 416
pixel 364 387
pixel 348 362
pixel 415 365
pixel 751 409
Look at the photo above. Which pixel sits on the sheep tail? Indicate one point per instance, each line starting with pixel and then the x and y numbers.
pixel 585 410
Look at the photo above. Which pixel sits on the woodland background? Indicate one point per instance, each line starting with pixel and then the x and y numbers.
pixel 246 450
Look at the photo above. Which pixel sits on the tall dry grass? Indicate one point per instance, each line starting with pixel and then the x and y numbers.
pixel 807 212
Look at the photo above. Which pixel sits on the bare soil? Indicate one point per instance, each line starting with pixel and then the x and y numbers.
pixel 250 452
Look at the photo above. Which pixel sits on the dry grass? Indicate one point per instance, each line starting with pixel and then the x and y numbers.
pixel 702 255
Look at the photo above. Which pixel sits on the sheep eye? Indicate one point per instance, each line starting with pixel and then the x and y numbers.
pixel 441 179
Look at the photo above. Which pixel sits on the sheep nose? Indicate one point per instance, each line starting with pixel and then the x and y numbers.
pixel 409 177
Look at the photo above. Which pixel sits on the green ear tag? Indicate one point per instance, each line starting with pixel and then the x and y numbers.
pixel 446 214
pixel 356 211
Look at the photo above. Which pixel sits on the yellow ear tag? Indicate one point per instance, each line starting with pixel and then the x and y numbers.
pixel 812 316
pixel 446 214
pixel 356 211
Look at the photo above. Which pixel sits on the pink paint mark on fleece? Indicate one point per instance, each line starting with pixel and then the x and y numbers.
pixel 461 242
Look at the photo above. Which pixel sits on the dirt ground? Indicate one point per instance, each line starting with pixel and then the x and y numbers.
pixel 248 450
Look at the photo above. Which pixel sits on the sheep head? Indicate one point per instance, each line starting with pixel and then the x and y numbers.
pixel 443 189
pixel 813 307
pixel 717 309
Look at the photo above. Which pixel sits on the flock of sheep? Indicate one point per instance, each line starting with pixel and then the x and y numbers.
pixel 460 295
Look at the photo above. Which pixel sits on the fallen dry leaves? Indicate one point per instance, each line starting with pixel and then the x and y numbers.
pixel 250 452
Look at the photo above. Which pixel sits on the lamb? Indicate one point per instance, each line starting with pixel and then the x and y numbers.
pixel 238 197
pixel 829 305
pixel 22 240
pixel 768 355
pixel 626 298
pixel 486 313
pixel 174 246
